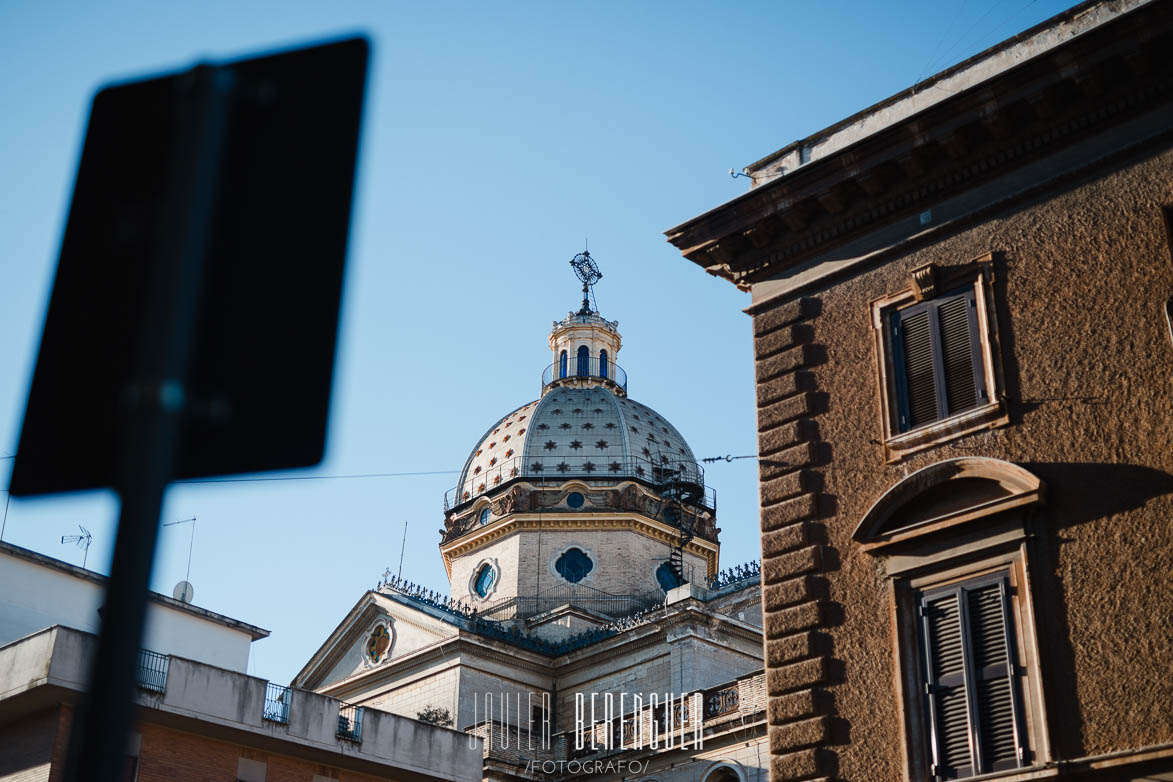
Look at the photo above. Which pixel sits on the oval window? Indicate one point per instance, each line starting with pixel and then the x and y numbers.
pixel 485 579
pixel 485 516
pixel 574 565
pixel 575 500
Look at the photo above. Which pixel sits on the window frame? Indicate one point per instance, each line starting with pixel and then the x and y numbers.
pixel 929 287
pixel 934 576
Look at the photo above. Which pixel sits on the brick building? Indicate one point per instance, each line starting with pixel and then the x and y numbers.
pixel 586 624
pixel 962 321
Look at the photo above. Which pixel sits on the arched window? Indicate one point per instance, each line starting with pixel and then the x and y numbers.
pixel 584 360
pixel 602 363
pixel 562 365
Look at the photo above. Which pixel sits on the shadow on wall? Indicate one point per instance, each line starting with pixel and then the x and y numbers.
pixel 1079 493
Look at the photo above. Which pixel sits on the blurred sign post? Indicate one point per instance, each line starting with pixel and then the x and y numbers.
pixel 192 325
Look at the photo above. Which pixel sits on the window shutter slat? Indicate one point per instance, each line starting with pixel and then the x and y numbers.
pixel 957 353
pixel 993 668
pixel 948 703
pixel 921 386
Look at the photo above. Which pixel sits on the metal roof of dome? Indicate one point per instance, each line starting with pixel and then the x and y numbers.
pixel 588 433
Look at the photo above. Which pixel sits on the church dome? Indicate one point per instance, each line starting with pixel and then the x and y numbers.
pixel 588 432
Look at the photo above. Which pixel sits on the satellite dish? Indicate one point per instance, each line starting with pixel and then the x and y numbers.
pixel 183 592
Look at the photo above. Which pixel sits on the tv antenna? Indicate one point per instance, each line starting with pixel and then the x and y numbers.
pixel 83 542
pixel 190 543
pixel 588 272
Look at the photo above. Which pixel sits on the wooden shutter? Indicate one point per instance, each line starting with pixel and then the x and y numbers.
pixel 913 334
pixel 970 680
pixel 944 640
pixel 993 673
pixel 936 359
pixel 960 357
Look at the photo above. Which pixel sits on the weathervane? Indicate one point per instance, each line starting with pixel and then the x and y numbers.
pixel 586 270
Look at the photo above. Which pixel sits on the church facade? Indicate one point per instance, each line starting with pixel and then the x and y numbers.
pixel 587 627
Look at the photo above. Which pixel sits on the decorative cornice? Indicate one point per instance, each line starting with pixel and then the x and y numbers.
pixel 985 131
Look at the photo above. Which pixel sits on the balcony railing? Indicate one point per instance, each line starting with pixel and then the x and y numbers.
pixel 277 700
pixel 151 671
pixel 658 470
pixel 350 722
pixel 591 368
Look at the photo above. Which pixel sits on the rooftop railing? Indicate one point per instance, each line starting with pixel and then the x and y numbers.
pixel 277 700
pixel 151 671
pixel 350 722
pixel 588 368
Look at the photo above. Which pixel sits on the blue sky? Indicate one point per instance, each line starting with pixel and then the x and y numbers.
pixel 497 137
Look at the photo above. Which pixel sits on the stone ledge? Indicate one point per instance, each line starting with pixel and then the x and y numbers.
pixel 777 341
pixel 797 676
pixel 784 386
pixel 784 436
pixel 788 621
pixel 782 568
pixel 793 458
pixel 786 539
pixel 796 705
pixel 783 314
pixel 788 593
pixel 800 508
pixel 808 733
pixel 780 363
pixel 794 766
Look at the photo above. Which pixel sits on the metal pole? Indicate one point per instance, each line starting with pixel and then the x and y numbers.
pixel 154 406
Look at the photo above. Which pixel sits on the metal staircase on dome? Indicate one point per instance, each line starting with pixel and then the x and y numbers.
pixel 681 495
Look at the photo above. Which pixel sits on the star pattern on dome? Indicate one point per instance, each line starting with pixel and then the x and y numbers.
pixel 574 420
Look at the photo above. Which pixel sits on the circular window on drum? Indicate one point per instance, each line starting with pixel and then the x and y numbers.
pixel 378 644
pixel 574 565
pixel 485 580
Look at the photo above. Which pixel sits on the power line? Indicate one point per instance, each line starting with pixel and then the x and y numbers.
pixel 318 477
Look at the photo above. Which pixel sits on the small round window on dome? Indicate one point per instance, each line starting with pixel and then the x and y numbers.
pixel 574 565
pixel 485 513
pixel 575 499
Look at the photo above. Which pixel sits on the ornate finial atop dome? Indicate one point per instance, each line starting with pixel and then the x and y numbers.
pixel 588 272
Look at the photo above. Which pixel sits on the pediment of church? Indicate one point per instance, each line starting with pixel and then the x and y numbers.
pixel 374 632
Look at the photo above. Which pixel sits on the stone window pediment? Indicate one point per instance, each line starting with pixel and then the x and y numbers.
pixel 945 495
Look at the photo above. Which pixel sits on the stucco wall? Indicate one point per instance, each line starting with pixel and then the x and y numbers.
pixel 1082 277
pixel 33 597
